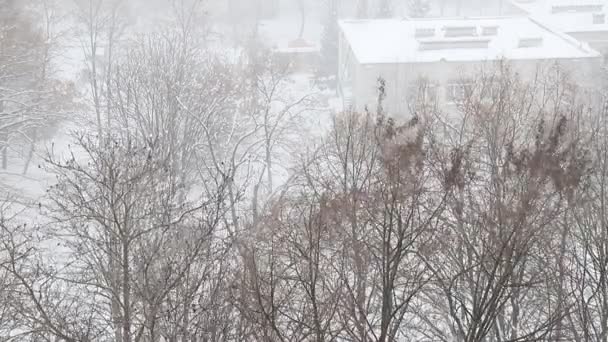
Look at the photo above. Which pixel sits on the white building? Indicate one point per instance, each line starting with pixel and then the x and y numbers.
pixel 585 20
pixel 436 8
pixel 445 52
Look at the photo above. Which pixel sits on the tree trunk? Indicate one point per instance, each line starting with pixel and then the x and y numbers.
pixel 4 152
pixel 302 18
pixel 126 291
pixel 269 167
pixel 4 142
pixel 30 153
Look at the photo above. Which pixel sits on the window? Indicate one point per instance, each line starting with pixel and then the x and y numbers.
pixel 460 31
pixel 575 8
pixel 599 18
pixel 422 92
pixel 568 95
pixel 490 89
pixel 471 43
pixel 430 93
pixel 530 42
pixel 458 90
pixel 489 30
pixel 424 32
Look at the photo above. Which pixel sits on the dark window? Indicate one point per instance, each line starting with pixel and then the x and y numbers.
pixel 599 18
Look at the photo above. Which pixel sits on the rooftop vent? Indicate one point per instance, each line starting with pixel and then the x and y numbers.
pixel 445 44
pixel 424 32
pixel 576 8
pixel 460 31
pixel 489 30
pixel 530 42
pixel 599 18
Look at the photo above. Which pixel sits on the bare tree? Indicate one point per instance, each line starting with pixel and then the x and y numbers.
pixel 585 251
pixel 120 249
pixel 102 26
pixel 30 98
pixel 177 120
pixel 368 179
pixel 508 164
pixel 12 253
pixel 292 288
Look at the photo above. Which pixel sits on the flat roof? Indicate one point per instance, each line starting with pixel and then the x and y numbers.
pixel 567 19
pixel 404 40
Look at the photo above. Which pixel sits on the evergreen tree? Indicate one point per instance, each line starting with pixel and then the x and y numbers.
pixel 329 41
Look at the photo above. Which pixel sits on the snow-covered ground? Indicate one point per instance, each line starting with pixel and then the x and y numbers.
pixel 70 65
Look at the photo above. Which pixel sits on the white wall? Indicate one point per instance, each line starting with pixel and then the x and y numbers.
pixel 400 77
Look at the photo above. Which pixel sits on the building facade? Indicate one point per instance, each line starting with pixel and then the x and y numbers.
pixel 585 20
pixel 446 54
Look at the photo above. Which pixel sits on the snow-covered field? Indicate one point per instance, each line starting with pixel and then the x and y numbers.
pixel 70 64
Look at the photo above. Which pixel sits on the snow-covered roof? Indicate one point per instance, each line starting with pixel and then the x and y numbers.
pixel 458 39
pixel 570 16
